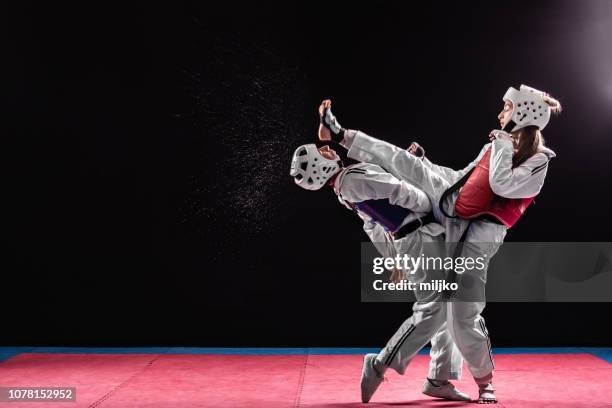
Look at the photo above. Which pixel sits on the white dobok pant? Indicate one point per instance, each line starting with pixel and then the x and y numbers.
pixel 428 320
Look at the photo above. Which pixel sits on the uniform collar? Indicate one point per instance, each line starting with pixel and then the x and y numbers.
pixel 548 152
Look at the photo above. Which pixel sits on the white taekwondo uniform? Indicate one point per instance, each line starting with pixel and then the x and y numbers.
pixel 464 319
pixel 360 182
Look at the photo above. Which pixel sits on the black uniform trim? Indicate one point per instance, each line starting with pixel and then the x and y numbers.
pixel 486 333
pixel 358 171
pixel 399 344
pixel 540 167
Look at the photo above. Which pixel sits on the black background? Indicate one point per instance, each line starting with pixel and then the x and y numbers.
pixel 148 151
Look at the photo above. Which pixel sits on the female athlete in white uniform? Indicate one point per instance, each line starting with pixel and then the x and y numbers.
pixel 496 188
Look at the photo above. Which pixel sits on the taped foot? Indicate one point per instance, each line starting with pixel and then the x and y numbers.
pixel 444 390
pixel 329 121
pixel 486 394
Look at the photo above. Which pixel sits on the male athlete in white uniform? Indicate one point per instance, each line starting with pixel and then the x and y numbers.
pixel 378 198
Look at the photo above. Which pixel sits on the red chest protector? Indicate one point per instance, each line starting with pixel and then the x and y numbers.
pixel 476 197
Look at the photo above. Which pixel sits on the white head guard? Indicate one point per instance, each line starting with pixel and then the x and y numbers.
pixel 311 170
pixel 529 107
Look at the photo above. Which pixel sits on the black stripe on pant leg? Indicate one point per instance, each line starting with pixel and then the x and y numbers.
pixel 486 333
pixel 391 356
pixel 399 344
pixel 490 347
pixel 387 360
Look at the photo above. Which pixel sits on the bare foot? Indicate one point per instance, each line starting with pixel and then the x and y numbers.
pixel 324 133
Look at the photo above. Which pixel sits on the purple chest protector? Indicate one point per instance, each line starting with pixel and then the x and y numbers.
pixel 388 215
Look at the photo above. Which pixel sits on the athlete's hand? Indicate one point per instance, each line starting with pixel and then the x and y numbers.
pixel 500 135
pixel 397 276
pixel 416 149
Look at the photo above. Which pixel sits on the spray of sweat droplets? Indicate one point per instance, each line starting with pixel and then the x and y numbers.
pixel 249 101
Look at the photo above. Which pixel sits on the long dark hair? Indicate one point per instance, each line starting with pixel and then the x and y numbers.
pixel 529 139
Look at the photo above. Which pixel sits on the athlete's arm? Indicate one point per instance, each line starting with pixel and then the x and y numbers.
pixel 523 181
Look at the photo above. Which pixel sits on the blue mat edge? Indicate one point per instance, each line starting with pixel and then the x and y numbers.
pixel 605 353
